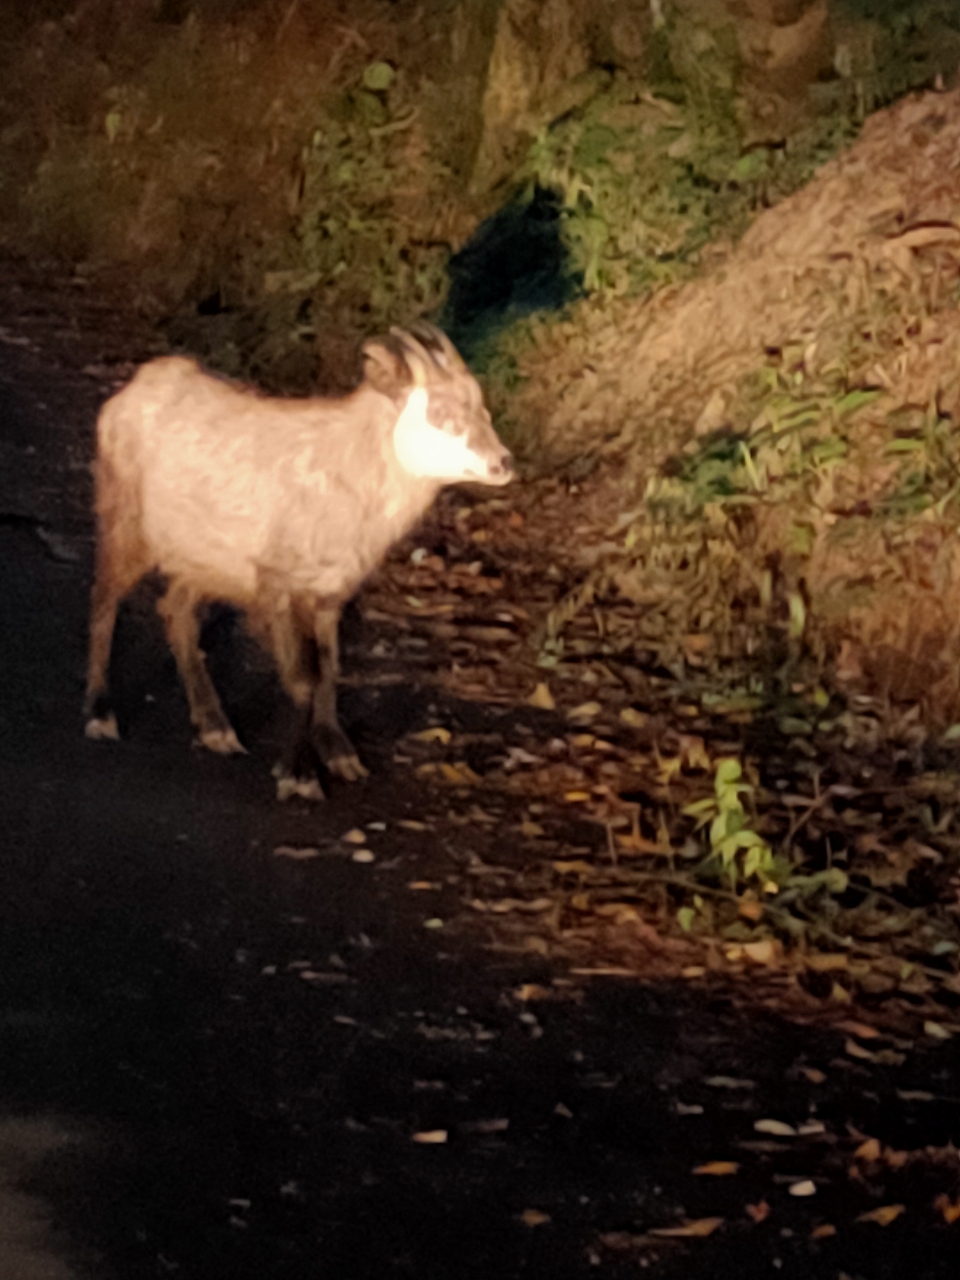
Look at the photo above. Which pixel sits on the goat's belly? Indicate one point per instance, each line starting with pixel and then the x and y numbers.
pixel 215 580
pixel 217 554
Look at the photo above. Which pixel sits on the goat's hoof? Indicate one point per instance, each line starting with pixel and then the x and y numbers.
pixel 102 728
pixel 347 767
pixel 224 741
pixel 304 788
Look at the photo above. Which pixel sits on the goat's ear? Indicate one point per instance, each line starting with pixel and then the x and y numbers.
pixel 385 369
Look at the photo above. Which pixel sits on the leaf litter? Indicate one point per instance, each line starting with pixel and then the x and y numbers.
pixel 749 798
pixel 710 770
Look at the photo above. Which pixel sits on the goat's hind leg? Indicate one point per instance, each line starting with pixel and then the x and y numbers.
pixel 178 609
pixel 121 561
pixel 99 718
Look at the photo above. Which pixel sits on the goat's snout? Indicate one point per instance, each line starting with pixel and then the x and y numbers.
pixel 502 470
pixel 489 466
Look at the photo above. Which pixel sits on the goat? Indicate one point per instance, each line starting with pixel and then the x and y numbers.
pixel 280 507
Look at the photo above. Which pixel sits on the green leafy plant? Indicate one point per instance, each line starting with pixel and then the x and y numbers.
pixel 741 852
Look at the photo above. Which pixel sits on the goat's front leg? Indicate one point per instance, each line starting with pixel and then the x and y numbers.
pixel 332 745
pixel 295 653
pixel 178 609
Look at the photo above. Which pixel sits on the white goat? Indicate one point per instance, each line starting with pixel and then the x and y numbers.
pixel 278 506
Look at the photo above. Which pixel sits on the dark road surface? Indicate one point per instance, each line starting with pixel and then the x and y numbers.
pixel 220 1063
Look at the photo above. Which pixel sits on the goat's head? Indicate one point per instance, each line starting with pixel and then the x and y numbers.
pixel 443 429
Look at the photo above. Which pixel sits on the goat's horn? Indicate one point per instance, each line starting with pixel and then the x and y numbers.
pixel 442 351
pixel 419 360
pixel 455 360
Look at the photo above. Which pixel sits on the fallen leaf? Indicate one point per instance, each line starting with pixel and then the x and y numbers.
pixel 424 884
pixel 362 855
pixel 821 961
pixel 937 1031
pixel 811 1127
pixel 823 1232
pixel 915 1095
pixel 585 711
pixel 504 906
pixel 576 797
pixel 950 1209
pixel 915 849
pixel 621 1241
pixel 411 824
pixel 296 854
pixel 604 971
pixel 768 951
pixel 459 774
pixel 431 1137
pixel 532 991
pixel 861 1029
pixel 668 768
pixel 869 1150
pixel 499 1125
pixel 534 1218
pixel 717 1168
pixel 758 1212
pixel 858 1051
pixel 693 750
pixel 813 1074
pixel 530 830
pixel 634 842
pixel 354 836
pixel 698 1227
pixel 622 913
pixel 803 1188
pixel 884 1215
pixel 728 1082
pixel 633 718
pixel 435 734
pixel 575 866
pixel 542 698
pixel 777 1128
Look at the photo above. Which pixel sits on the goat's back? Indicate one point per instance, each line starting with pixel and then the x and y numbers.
pixel 232 484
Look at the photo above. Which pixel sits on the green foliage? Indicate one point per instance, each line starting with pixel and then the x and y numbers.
pixel 378 77
pixel 929 476
pixel 789 433
pixel 648 179
pixel 903 45
pixel 740 852
pixel 348 225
